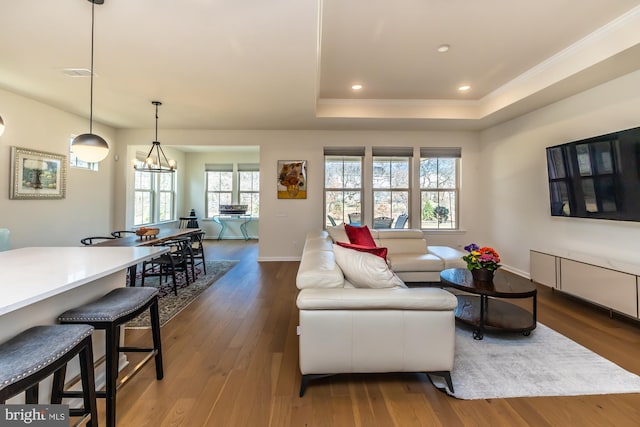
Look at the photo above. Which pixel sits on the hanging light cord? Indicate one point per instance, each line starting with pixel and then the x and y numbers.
pixel 93 5
pixel 156 103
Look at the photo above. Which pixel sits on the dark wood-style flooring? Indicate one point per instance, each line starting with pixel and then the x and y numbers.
pixel 231 360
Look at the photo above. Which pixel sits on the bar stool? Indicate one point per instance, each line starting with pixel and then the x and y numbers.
pixel 33 355
pixel 108 313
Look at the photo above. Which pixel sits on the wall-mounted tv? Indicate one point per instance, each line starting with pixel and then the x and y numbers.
pixel 597 177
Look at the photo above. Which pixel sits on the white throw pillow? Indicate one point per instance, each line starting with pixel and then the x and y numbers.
pixel 365 270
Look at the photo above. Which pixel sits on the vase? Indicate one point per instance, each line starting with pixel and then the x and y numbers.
pixel 482 274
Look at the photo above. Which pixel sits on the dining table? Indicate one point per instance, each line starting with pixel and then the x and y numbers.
pixel 163 235
pixel 133 240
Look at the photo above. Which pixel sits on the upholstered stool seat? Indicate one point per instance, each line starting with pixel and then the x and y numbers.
pixel 33 355
pixel 109 313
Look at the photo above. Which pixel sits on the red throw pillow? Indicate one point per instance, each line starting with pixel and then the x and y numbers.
pixel 359 235
pixel 381 252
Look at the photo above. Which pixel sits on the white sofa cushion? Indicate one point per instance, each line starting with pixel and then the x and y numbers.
pixel 415 262
pixel 338 234
pixel 451 257
pixel 318 267
pixel 375 299
pixel 391 233
pixel 365 270
pixel 403 246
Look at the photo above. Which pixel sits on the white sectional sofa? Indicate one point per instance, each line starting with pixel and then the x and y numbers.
pixel 348 329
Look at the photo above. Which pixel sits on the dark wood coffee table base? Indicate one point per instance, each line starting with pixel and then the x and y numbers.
pixel 484 305
pixel 499 316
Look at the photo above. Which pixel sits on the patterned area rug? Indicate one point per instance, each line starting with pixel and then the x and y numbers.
pixel 170 305
pixel 545 363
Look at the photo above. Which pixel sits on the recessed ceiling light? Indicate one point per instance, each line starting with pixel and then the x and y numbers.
pixel 443 48
pixel 356 87
pixel 464 88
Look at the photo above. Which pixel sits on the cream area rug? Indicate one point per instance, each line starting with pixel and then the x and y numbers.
pixel 545 363
pixel 169 304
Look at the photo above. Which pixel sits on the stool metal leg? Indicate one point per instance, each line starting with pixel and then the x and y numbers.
pixel 88 383
pixel 112 343
pixel 157 342
pixel 31 395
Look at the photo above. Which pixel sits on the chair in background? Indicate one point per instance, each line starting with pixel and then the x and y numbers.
pixel 354 218
pixel 332 220
pixel 401 221
pixel 121 233
pixel 197 251
pixel 88 241
pixel 165 265
pixel 382 222
pixel 4 239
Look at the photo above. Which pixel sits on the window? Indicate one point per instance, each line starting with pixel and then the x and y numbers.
pixel 249 187
pixel 342 183
pixel 219 184
pixel 75 162
pixel 439 187
pixel 391 178
pixel 154 196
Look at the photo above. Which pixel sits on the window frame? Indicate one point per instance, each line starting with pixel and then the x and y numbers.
pixel 226 169
pixel 392 155
pixel 155 193
pixel 449 155
pixel 354 155
pixel 254 193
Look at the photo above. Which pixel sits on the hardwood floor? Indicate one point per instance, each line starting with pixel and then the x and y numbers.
pixel 231 360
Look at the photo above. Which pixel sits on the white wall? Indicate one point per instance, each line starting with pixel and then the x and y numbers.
pixel 87 209
pixel 516 213
pixel 285 223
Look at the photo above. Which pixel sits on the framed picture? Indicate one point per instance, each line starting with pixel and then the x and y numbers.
pixel 37 174
pixel 292 179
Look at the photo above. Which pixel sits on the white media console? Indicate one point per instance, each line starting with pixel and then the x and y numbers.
pixel 608 283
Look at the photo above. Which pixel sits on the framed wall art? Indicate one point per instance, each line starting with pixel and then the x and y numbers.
pixel 37 174
pixel 292 179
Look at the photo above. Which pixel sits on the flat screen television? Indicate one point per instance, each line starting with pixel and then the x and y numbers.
pixel 598 177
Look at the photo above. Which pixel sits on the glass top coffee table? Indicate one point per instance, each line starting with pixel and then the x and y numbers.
pixel 485 309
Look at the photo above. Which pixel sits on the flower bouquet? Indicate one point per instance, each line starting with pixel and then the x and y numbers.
pixel 481 261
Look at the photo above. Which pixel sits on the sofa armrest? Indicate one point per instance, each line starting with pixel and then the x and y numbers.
pixel 433 299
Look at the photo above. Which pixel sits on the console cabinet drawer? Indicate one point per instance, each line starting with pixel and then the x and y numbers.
pixel 606 287
pixel 543 268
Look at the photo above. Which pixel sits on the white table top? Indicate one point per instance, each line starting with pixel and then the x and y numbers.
pixel 29 275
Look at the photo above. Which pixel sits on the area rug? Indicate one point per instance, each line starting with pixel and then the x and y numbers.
pixel 545 363
pixel 170 305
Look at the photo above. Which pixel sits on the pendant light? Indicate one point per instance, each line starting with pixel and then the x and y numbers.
pixel 156 160
pixel 89 147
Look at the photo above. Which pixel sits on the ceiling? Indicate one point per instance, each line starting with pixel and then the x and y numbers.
pixel 290 64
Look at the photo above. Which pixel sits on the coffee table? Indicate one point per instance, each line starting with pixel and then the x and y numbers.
pixel 485 309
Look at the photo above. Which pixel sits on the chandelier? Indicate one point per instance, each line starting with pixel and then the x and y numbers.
pixel 156 161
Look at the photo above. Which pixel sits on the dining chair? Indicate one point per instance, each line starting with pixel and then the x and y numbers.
pixel 401 221
pixel 197 251
pixel 169 263
pixel 354 218
pixel 382 222
pixel 121 233
pixel 4 239
pixel 88 241
pixel 332 220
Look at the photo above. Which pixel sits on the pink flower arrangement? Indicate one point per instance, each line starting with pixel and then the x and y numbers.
pixel 481 257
